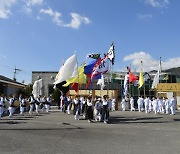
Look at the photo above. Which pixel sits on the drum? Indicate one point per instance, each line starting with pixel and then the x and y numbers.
pixel 16 103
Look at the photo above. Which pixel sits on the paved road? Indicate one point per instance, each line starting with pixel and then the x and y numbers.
pixel 56 132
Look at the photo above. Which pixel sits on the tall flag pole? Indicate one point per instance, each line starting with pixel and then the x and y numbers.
pixel 129 82
pixel 160 68
pixel 111 57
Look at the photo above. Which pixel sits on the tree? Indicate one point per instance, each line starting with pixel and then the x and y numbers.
pixel 27 91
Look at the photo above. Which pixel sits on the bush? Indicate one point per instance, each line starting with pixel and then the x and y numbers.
pixel 56 95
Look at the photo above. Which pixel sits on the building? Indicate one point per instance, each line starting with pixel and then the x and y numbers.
pixel 114 86
pixel 9 86
pixel 168 90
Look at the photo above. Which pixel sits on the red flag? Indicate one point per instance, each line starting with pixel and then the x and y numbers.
pixel 75 87
pixel 132 77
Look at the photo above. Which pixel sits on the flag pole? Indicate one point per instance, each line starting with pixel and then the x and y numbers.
pixel 111 83
pixel 108 85
pixel 77 72
pixel 144 87
pixel 129 83
pixel 160 68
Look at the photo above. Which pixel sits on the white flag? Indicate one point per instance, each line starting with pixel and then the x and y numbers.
pixel 156 80
pixel 37 88
pixel 111 54
pixel 156 77
pixel 69 69
pixel 126 84
pixel 101 82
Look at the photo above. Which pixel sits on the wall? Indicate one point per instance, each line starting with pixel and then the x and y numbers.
pixel 48 80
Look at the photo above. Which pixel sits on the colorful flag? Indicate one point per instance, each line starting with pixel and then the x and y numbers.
pixel 89 68
pixel 80 78
pixel 101 66
pixel 93 55
pixel 111 54
pixel 69 69
pixel 141 79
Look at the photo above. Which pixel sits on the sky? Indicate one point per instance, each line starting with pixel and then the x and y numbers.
pixel 38 35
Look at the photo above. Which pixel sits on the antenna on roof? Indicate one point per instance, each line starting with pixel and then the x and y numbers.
pixel 15 72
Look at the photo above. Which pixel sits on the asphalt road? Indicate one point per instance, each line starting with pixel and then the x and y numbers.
pixel 58 133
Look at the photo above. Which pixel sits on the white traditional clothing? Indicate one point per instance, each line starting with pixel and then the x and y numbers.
pixel 31 101
pixel 146 104
pixel 76 109
pixel 98 108
pixel 113 104
pixel 69 104
pixel 43 102
pixel 150 105
pixel 22 105
pixel 61 103
pixel 167 106
pixel 123 103
pixel 155 106
pixel 11 107
pixel 132 104
pixel 140 103
pixel 173 106
pixel 48 102
pixel 38 102
pixel 2 104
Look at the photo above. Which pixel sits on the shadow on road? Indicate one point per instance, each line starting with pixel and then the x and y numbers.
pixel 176 119
pixel 41 129
pixel 11 122
pixel 122 120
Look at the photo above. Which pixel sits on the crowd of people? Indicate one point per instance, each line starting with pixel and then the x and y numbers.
pixel 88 107
pixel 85 106
pixel 157 105
pixel 9 105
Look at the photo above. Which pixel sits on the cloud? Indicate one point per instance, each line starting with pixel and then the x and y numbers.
pixel 157 3
pixel 77 20
pixel 54 14
pixel 75 23
pixel 149 63
pixel 5 6
pixel 31 3
pixel 34 2
pixel 144 16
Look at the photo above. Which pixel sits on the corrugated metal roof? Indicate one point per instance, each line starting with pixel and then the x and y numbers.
pixel 10 81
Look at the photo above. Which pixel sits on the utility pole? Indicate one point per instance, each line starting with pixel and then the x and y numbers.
pixel 15 72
